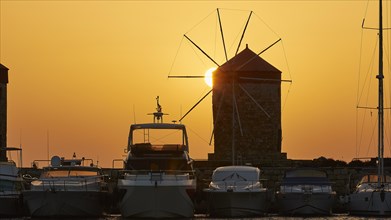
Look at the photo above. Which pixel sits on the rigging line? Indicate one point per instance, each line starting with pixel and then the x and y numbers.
pixel 215 30
pixel 368 74
pixel 222 34
pixel 176 55
pixel 197 134
pixel 217 114
pixel 267 25
pixel 289 73
pixel 233 9
pixel 180 120
pixel 359 69
pixel 202 20
pixel 197 55
pixel 233 42
pixel 286 60
pixel 371 139
pixel 360 139
pixel 202 51
pixel 387 136
pixel 358 143
pixel 286 97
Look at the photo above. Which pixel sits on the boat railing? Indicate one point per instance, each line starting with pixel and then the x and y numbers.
pixel 371 187
pixel 305 188
pixel 156 174
pixel 81 183
pixel 236 185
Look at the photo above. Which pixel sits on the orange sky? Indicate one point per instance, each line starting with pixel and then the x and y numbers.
pixel 83 71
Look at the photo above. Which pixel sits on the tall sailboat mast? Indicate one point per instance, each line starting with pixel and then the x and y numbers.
pixel 380 77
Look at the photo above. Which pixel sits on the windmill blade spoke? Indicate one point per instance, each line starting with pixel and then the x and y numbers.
pixel 186 77
pixel 244 31
pixel 196 105
pixel 211 137
pixel 217 115
pixel 237 112
pixel 199 48
pixel 256 103
pixel 222 35
pixel 263 79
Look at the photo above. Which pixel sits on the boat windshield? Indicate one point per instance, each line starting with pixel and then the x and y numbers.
pixel 158 136
pixel 373 178
pixel 9 185
pixel 239 176
pixel 68 173
pixel 305 173
pixel 158 164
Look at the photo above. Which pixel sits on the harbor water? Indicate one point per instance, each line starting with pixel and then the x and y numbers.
pixel 269 217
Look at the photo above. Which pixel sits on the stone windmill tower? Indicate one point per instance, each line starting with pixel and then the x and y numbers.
pixel 3 112
pixel 246 105
pixel 247 109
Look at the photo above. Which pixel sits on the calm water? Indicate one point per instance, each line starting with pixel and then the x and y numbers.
pixel 271 217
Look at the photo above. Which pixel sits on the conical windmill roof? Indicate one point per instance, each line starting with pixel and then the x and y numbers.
pixel 248 61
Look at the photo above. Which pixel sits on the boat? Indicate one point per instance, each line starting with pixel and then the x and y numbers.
pixel 372 195
pixel 11 186
pixel 67 188
pixel 305 191
pixel 236 191
pixel 158 180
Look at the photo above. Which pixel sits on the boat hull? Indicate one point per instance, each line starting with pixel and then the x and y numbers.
pixel 156 200
pixel 64 203
pixel 237 204
pixel 305 203
pixel 370 203
pixel 10 205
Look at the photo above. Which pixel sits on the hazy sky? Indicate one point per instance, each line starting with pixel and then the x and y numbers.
pixel 82 71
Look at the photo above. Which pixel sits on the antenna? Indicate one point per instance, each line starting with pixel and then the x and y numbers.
pixel 47 144
pixel 158 115
pixel 134 114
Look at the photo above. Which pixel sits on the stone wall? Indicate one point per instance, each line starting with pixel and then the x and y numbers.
pixel 257 123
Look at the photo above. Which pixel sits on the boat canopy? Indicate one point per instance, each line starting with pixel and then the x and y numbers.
pixel 305 173
pixel 305 177
pixel 373 178
pixel 243 173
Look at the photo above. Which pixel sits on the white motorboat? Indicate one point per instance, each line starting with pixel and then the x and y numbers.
pixel 67 188
pixel 372 195
pixel 305 192
pixel 371 199
pixel 11 186
pixel 236 191
pixel 158 180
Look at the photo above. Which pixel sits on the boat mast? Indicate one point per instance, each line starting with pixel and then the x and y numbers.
pixel 380 77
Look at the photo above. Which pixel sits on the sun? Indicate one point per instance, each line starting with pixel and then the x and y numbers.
pixel 209 76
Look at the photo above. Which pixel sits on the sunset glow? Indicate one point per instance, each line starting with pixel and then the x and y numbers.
pixel 84 71
pixel 209 76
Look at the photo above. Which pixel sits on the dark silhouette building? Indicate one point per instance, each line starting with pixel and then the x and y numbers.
pixel 247 110
pixel 3 111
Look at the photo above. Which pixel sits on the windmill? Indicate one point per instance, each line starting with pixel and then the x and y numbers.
pixel 246 103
